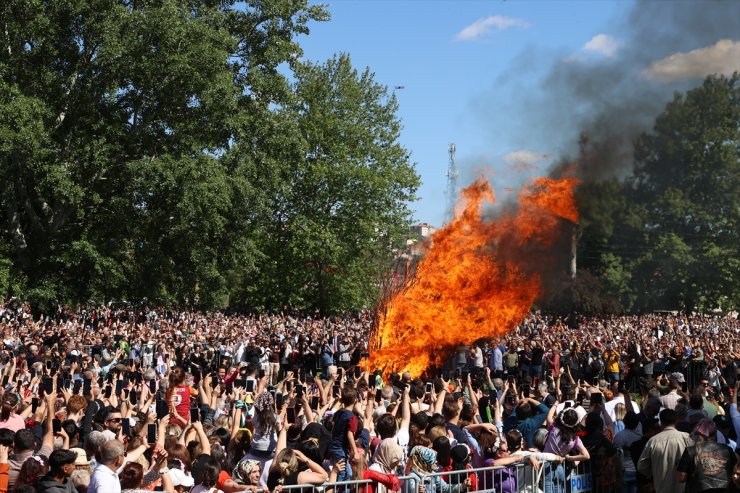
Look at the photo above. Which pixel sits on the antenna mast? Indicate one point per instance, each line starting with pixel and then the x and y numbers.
pixel 451 184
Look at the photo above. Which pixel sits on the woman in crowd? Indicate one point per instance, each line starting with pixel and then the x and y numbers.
pixel 562 439
pixel 264 422
pixel 178 397
pixel 247 472
pixel 387 459
pixel 422 463
pixel 292 467
pixel 8 417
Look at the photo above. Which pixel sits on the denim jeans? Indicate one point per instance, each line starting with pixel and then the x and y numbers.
pixel 337 454
pixel 630 482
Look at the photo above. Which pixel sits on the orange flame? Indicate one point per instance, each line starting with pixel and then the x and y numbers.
pixel 476 280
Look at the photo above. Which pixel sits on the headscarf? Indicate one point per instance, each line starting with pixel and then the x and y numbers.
pixel 422 459
pixel 263 401
pixel 387 453
pixel 243 469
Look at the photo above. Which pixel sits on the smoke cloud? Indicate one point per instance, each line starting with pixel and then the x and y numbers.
pixel 609 100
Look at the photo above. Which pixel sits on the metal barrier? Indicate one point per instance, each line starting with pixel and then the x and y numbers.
pixel 549 477
pixel 517 478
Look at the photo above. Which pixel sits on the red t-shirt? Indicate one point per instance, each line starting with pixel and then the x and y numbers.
pixel 180 399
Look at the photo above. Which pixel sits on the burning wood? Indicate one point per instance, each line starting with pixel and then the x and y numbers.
pixel 478 278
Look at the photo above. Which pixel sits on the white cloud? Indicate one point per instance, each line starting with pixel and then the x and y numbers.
pixel 721 58
pixel 602 44
pixel 524 158
pixel 486 24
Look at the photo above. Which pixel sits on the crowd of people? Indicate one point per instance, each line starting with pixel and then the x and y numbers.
pixel 117 398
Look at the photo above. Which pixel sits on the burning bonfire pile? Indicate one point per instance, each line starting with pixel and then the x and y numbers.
pixel 479 277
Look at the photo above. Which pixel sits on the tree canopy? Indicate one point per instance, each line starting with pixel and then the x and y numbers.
pixel 668 236
pixel 160 149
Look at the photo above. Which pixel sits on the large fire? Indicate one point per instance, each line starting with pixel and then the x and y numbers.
pixel 479 278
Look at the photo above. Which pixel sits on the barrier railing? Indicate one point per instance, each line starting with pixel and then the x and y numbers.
pixel 547 477
pixel 517 478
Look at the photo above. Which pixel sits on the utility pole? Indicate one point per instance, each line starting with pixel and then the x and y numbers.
pixel 451 184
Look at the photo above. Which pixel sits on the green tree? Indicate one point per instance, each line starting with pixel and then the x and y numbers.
pixel 134 159
pixel 686 182
pixel 342 212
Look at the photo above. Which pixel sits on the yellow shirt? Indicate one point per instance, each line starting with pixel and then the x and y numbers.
pixel 612 361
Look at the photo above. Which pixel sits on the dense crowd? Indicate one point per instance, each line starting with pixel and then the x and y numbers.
pixel 115 398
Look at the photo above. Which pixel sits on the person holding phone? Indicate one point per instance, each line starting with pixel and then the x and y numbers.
pixel 265 437
pixel 178 397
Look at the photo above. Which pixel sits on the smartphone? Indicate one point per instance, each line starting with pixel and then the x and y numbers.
pixel 299 391
pixel 214 381
pixel 378 395
pixel 336 389
pixel 6 378
pixel 32 371
pixel 567 404
pixel 56 425
pixel 194 414
pixel 119 387
pixel 48 385
pixel 48 364
pixel 151 433
pixel 428 388
pixel 240 382
pixel 133 397
pixel 162 410
pixel 278 400
pixel 76 386
pixel 597 398
pixel 290 416
pixel 261 374
pixel 250 386
pixel 126 426
pixel 315 402
pixel 87 387
pixel 108 391
pixel 229 388
pixel 130 362
pixel 595 382
pixel 152 386
pixel 358 372
pixel 510 378
pixel 34 404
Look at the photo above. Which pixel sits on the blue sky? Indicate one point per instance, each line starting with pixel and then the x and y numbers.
pixel 465 67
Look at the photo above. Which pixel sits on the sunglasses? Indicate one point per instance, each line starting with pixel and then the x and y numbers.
pixel 116 420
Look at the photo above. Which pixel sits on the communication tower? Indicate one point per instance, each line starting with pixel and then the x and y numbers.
pixel 451 184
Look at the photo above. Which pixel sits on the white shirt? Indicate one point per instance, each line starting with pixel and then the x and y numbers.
pixel 103 480
pixel 610 407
